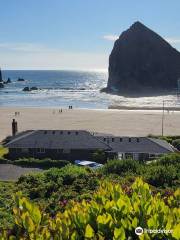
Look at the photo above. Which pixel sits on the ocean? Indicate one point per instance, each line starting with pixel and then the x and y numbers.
pixel 61 88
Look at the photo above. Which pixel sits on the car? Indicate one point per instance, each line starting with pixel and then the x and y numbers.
pixel 90 164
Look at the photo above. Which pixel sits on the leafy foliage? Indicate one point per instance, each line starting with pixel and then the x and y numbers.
pixel 7 190
pixel 54 189
pixel 121 167
pixel 54 186
pixel 3 151
pixel 113 213
pixel 162 172
pixel 44 163
pixel 176 143
pixel 99 156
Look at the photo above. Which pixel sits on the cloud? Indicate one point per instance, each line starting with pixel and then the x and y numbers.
pixel 38 56
pixel 111 37
pixel 173 40
pixel 24 47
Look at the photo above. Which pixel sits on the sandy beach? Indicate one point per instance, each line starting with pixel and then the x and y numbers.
pixel 117 122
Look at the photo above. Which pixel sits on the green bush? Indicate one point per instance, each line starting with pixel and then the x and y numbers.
pixel 121 167
pixel 37 163
pixel 99 156
pixel 72 172
pixel 176 143
pixel 3 151
pixel 168 159
pixel 7 190
pixel 161 176
pixel 54 185
pixel 112 213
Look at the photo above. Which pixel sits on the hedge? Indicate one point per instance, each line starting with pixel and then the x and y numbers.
pixel 113 213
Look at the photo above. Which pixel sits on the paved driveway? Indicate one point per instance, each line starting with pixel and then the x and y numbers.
pixel 9 172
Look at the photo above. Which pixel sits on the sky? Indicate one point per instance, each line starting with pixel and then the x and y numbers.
pixel 76 34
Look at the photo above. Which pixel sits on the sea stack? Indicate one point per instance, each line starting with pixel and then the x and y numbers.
pixel 142 62
pixel 1 80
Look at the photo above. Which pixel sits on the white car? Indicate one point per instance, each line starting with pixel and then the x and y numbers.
pixel 90 164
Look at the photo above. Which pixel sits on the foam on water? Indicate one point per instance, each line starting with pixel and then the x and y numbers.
pixel 63 88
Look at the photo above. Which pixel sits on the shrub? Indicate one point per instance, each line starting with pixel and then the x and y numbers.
pixel 160 176
pixel 45 163
pixel 176 143
pixel 113 213
pixel 99 156
pixel 7 190
pixel 121 167
pixel 43 184
pixel 72 172
pixel 168 159
pixel 3 151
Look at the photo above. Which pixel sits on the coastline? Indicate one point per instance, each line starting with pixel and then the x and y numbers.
pixel 110 121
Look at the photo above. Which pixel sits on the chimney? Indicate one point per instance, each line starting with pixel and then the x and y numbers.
pixel 14 127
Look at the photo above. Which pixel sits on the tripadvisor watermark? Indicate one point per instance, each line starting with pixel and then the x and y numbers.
pixel 139 231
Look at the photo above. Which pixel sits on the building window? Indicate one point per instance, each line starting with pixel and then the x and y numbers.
pixel 112 139
pixel 41 150
pixel 129 139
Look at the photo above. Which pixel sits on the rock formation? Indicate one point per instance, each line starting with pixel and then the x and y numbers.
pixel 28 89
pixel 142 62
pixel 1 80
pixel 21 80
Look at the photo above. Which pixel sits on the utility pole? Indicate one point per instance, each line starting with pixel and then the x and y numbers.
pixel 163 120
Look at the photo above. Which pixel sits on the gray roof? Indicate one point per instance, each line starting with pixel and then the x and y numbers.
pixel 80 139
pixel 57 139
pixel 137 145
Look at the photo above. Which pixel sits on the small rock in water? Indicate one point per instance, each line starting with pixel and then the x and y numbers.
pixel 26 89
pixel 34 88
pixel 21 80
pixel 8 81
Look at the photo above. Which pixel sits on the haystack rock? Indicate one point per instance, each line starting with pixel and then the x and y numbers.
pixel 142 62
pixel 1 80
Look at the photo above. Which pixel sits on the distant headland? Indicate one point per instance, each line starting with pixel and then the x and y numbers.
pixel 143 63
